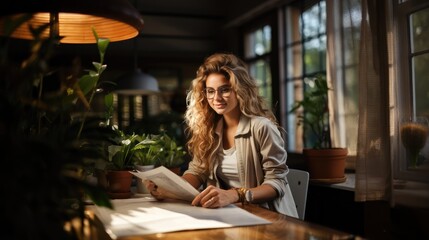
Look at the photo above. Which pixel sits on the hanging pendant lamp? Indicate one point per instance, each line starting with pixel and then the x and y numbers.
pixel 114 19
pixel 137 83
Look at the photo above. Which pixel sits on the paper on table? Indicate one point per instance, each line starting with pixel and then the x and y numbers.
pixel 147 217
pixel 170 182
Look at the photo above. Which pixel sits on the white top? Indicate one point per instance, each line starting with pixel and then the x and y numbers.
pixel 228 170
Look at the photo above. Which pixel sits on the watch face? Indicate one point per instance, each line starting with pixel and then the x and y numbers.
pixel 249 196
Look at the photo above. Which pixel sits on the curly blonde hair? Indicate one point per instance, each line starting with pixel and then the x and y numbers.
pixel 201 119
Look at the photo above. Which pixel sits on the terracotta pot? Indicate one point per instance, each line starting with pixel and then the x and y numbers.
pixel 326 163
pixel 119 184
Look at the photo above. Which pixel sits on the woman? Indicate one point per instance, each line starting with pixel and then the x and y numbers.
pixel 236 146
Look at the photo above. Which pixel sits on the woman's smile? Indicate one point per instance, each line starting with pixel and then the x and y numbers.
pixel 219 105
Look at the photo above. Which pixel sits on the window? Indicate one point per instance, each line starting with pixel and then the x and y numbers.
pixel 413 91
pixel 257 54
pixel 306 45
pixel 305 56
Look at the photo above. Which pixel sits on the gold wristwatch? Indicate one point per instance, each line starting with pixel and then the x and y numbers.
pixel 248 196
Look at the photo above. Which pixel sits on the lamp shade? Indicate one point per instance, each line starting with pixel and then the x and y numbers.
pixel 114 19
pixel 137 83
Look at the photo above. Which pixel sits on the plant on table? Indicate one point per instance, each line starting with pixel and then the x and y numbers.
pixel 145 149
pixel 148 151
pixel 122 152
pixel 172 155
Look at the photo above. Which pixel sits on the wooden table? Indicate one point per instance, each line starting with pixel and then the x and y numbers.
pixel 282 227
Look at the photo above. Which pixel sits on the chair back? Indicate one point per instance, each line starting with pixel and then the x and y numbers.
pixel 298 183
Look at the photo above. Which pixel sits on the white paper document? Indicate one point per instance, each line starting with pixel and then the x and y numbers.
pixel 169 181
pixel 131 217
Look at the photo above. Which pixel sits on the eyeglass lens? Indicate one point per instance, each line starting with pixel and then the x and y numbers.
pixel 223 91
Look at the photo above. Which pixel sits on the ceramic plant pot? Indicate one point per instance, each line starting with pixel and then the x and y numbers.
pixel 119 184
pixel 326 164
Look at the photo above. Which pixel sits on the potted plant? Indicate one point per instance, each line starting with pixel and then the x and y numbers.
pixel 44 186
pixel 172 155
pixel 159 150
pixel 324 161
pixel 147 154
pixel 121 162
pixel 141 152
pixel 146 157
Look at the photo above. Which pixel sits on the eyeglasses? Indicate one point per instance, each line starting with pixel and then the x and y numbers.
pixel 223 91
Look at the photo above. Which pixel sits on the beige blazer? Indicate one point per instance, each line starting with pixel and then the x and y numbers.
pixel 261 159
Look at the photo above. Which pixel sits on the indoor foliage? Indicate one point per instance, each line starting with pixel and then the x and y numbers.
pixel 313 112
pixel 144 149
pixel 45 145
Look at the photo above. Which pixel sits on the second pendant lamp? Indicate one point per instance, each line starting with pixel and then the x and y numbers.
pixel 136 82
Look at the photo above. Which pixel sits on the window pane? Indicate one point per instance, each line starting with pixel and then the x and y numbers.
pixel 313 20
pixel 322 25
pixel 306 55
pixel 419 30
pixel 310 22
pixel 419 38
pixel 421 84
pixel 322 53
pixel 258 42
pixel 315 55
pixel 260 71
pixel 267 38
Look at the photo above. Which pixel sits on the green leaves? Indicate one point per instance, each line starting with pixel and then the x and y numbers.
pixel 40 105
pixel 89 83
pixel 313 112
pixel 108 103
pixel 102 44
pixel 146 149
pixel 172 154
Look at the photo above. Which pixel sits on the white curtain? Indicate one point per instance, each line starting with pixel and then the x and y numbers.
pixel 373 165
pixel 335 72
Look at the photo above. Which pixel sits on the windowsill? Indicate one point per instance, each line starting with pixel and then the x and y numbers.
pixel 405 193
pixel 411 194
pixel 348 185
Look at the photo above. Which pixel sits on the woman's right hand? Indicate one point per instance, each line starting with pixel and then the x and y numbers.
pixel 214 197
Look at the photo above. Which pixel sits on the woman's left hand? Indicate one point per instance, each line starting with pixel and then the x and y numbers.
pixel 214 197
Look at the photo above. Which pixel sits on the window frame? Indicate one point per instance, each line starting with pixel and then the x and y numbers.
pixel 272 57
pixel 338 72
pixel 293 80
pixel 403 71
